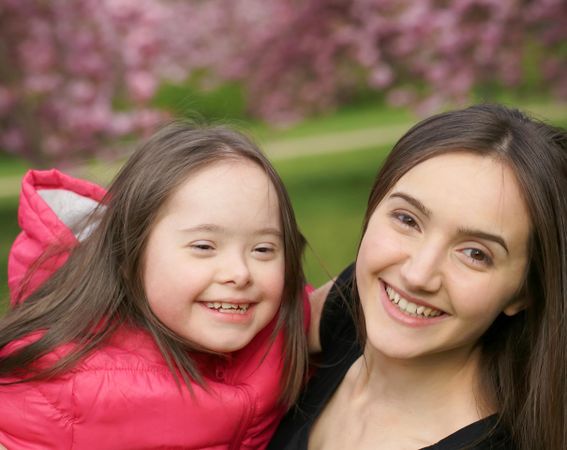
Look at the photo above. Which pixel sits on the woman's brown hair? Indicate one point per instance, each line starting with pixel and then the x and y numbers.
pixel 100 286
pixel 524 357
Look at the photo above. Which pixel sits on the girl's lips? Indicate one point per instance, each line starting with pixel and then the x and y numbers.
pixel 411 312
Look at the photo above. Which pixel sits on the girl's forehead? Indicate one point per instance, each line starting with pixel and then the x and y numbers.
pixel 225 190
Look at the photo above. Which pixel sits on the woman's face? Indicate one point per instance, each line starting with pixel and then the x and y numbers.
pixel 444 253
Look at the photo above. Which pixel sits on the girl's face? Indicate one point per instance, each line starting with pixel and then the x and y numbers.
pixel 214 263
pixel 444 254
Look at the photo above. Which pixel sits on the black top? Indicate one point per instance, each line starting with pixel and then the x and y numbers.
pixel 340 349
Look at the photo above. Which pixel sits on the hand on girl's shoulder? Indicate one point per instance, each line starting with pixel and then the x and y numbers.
pixel 317 299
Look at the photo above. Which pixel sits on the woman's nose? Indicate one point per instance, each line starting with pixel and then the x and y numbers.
pixel 421 271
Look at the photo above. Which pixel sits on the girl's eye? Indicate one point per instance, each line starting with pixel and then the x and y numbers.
pixel 477 256
pixel 202 246
pixel 264 251
pixel 405 219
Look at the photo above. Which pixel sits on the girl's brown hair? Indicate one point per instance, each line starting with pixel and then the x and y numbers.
pixel 100 286
pixel 524 357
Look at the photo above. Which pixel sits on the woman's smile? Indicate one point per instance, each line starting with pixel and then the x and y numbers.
pixel 417 309
pixel 449 261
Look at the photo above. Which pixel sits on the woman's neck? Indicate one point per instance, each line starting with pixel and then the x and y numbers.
pixel 442 386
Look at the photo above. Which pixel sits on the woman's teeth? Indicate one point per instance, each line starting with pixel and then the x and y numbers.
pixel 229 307
pixel 411 308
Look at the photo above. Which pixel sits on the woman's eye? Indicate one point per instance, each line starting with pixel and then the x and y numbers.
pixel 405 219
pixel 477 256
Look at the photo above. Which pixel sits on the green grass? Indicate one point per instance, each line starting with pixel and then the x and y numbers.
pixel 347 119
pixel 8 232
pixel 329 194
pixel 11 166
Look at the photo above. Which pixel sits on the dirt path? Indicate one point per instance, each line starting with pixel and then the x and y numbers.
pixel 330 142
pixel 277 149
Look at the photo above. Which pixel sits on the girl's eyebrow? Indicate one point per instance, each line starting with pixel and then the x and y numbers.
pixel 213 228
pixel 413 201
pixel 466 231
pixel 203 227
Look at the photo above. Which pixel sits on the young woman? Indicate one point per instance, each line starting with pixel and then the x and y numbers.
pixel 458 332
pixel 177 320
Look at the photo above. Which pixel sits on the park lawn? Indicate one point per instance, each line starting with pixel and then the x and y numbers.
pixel 329 195
pixel 9 230
pixel 10 165
pixel 329 191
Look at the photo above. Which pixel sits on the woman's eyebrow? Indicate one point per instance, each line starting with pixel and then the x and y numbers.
pixel 413 201
pixel 484 235
pixel 466 231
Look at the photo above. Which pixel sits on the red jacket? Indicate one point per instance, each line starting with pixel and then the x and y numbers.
pixel 123 396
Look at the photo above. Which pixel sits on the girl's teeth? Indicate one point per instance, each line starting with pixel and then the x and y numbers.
pixel 411 308
pixel 228 307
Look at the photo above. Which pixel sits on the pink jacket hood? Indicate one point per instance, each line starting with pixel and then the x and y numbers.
pixel 51 208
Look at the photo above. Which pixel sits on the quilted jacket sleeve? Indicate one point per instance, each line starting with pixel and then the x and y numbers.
pixel 28 420
pixel 36 414
pixel 50 203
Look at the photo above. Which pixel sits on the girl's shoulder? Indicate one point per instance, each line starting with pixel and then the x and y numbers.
pixel 125 386
pixel 126 348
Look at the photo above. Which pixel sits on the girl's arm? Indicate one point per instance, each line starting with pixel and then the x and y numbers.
pixel 28 419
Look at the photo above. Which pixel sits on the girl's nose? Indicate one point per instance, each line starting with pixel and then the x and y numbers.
pixel 421 271
pixel 235 271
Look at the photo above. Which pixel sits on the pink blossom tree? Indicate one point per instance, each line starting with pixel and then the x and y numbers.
pixel 76 76
pixel 312 55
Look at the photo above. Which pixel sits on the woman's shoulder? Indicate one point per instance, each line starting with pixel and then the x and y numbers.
pixel 340 348
pixel 484 434
pixel 337 328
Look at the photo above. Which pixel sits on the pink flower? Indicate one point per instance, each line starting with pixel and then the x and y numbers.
pixel 141 85
pixel 7 100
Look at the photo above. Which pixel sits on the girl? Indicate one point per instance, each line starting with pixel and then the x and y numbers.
pixel 176 322
pixel 459 295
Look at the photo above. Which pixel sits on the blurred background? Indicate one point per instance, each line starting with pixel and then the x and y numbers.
pixel 324 86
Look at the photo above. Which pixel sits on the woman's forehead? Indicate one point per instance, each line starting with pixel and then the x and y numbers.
pixel 469 190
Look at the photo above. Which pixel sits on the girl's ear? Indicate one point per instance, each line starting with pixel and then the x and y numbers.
pixel 515 306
